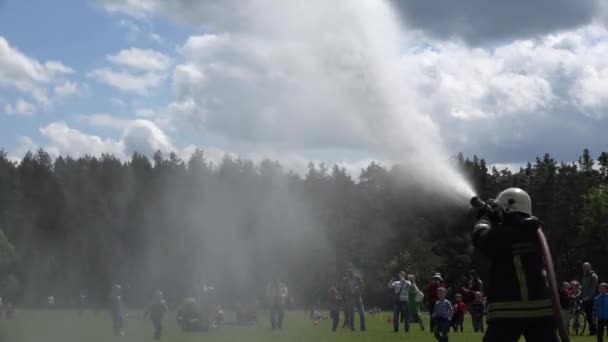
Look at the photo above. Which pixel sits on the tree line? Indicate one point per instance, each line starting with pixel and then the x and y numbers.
pixel 73 224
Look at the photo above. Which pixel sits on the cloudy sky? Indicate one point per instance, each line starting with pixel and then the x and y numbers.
pixel 341 82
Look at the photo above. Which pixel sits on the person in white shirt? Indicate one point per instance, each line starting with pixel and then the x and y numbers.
pixel 401 286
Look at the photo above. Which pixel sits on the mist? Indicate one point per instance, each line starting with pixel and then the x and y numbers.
pixel 268 75
pixel 317 74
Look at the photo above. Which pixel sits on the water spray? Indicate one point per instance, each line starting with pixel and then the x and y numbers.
pixel 479 204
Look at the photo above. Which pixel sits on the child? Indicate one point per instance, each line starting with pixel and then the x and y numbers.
pixel 157 310
pixel 565 302
pixel 460 308
pixel 477 311
pixel 334 300
pixel 315 316
pixel 442 316
pixel 600 311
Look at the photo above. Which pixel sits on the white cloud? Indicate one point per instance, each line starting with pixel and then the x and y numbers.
pixel 57 68
pixel 140 31
pixel 350 78
pixel 21 107
pixel 19 70
pixel 67 88
pixel 147 60
pixel 590 92
pixel 156 38
pixel 138 70
pixel 71 141
pixel 140 84
pixel 29 76
pixel 117 102
pixel 137 135
pixel 135 8
pixel 145 137
pixel 103 120
pixel 145 113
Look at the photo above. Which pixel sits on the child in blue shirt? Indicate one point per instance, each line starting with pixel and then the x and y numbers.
pixel 442 316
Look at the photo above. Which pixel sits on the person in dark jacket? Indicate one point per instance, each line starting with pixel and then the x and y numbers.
pixel 352 294
pixel 474 284
pixel 600 311
pixel 157 310
pixel 518 299
pixel 589 292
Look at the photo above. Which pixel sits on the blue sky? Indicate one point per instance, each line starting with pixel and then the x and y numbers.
pixel 80 34
pixel 314 81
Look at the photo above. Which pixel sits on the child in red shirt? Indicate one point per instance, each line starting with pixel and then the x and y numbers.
pixel 460 308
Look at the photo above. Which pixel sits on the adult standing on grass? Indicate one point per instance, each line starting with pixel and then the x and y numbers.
pixel 352 292
pixel 415 298
pixel 401 288
pixel 474 284
pixel 117 310
pixel 519 301
pixel 157 310
pixel 589 292
pixel 436 283
pixel 277 296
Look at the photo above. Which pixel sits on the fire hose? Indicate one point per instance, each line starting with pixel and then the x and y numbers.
pixel 551 279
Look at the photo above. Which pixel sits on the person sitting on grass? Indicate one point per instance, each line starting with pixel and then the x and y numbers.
pixel 442 316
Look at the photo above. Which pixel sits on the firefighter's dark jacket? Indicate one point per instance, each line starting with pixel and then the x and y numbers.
pixel 517 287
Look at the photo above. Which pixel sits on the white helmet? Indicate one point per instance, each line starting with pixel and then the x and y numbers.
pixel 515 200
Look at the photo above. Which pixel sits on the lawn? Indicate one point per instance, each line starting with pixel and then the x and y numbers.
pixel 68 326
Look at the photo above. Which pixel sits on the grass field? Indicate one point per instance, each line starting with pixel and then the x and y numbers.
pixel 68 326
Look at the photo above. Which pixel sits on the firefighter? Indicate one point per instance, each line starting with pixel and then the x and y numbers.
pixel 518 299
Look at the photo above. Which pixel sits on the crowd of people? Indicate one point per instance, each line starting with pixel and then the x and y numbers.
pixel 517 302
pixel 586 295
pixel 447 307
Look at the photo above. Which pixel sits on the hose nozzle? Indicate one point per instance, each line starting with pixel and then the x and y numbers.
pixel 476 202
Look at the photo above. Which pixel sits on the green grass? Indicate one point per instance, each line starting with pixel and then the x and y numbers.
pixel 68 326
